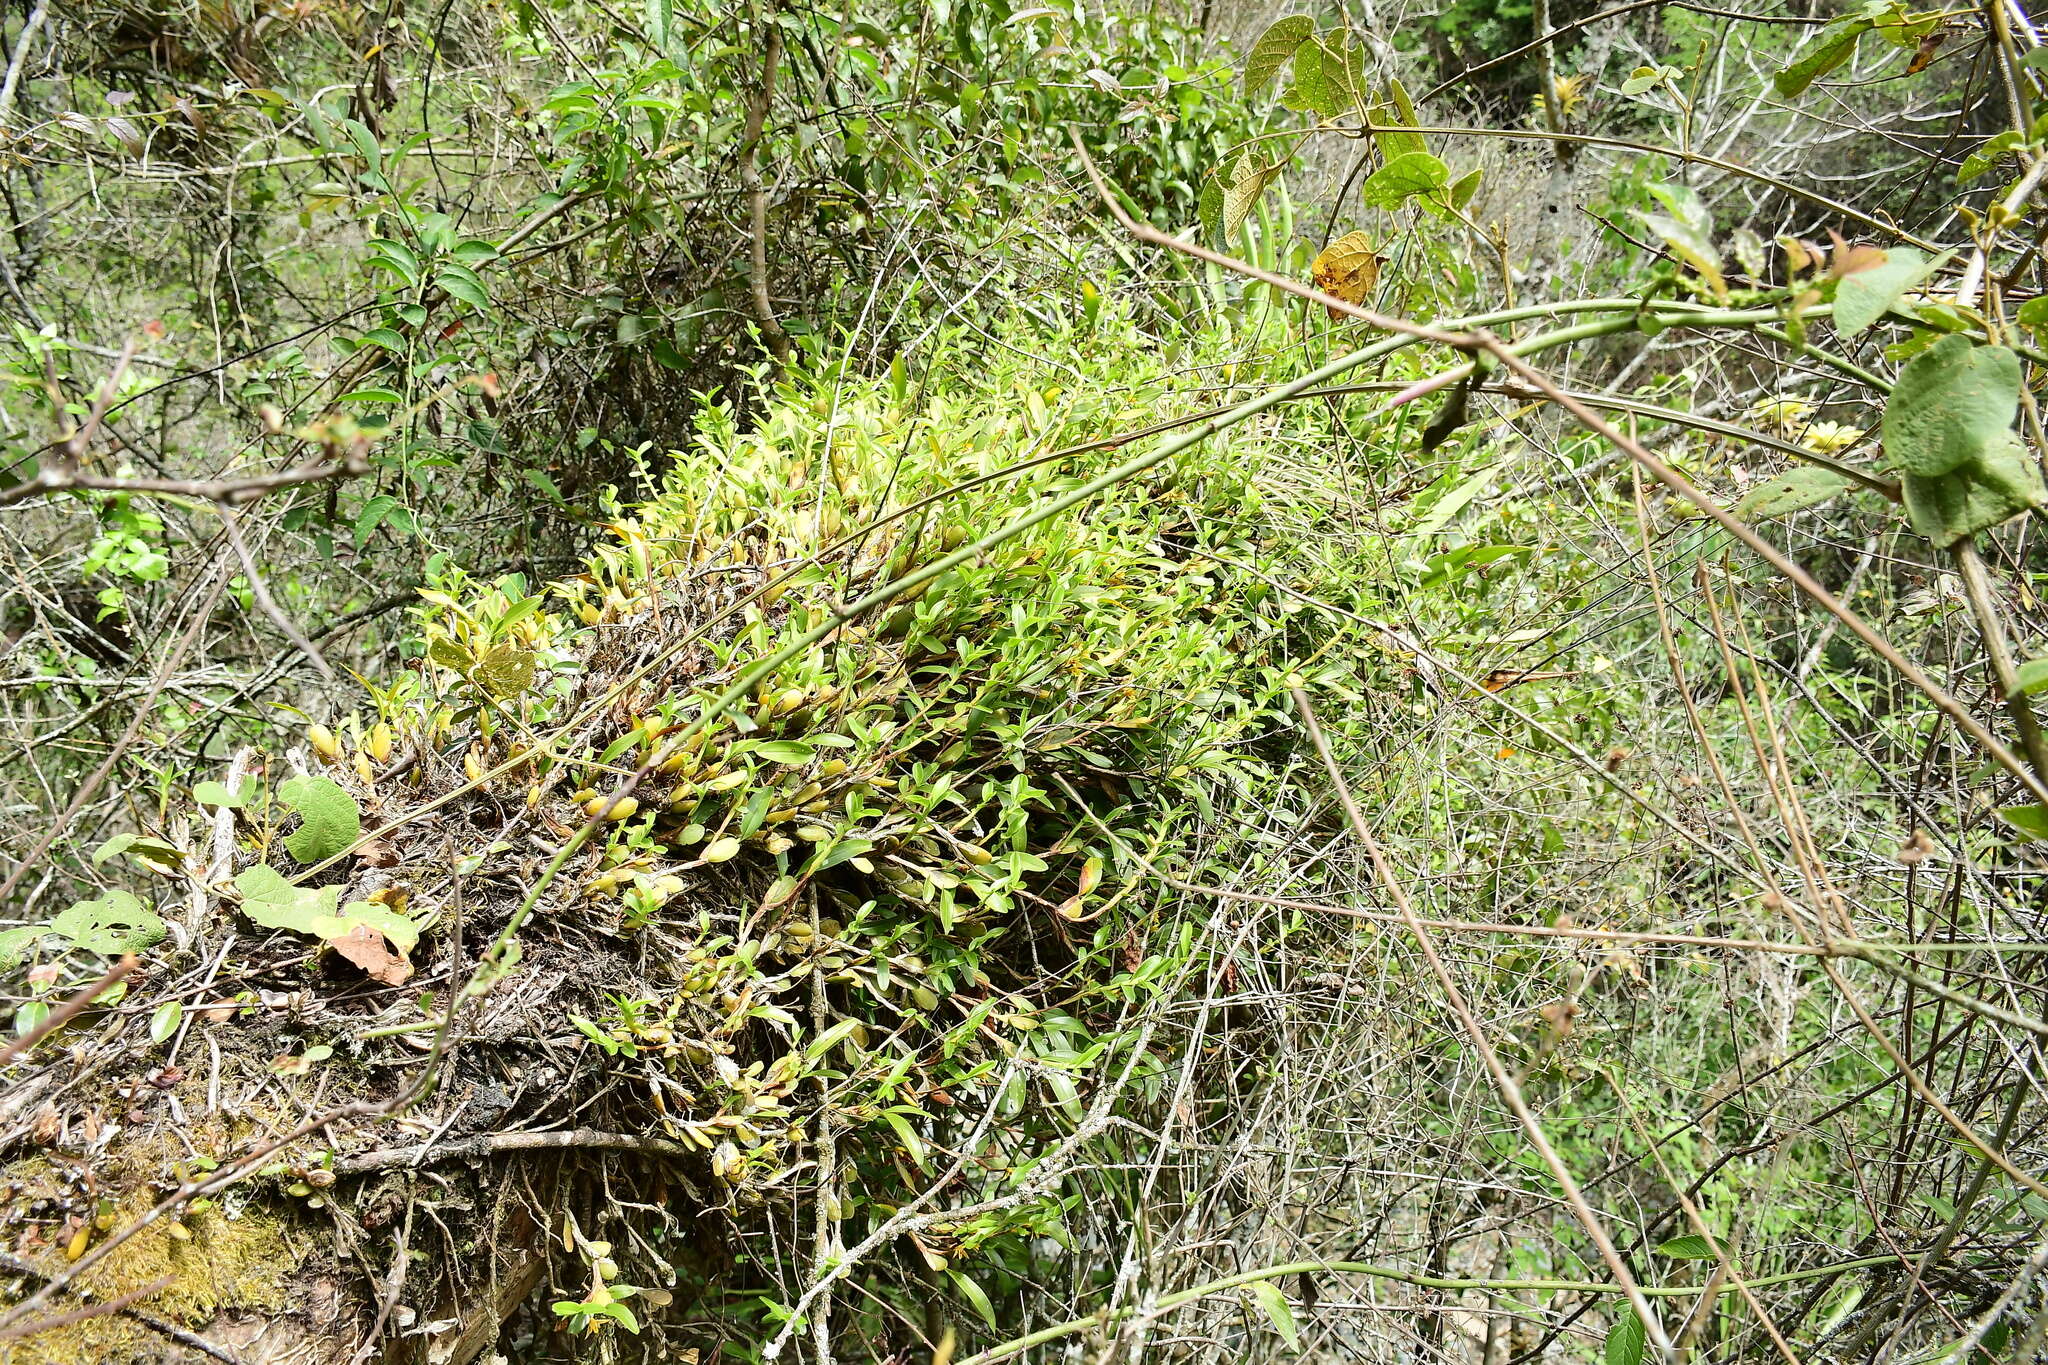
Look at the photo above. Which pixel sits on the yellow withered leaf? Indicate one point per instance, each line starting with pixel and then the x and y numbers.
pixel 1347 268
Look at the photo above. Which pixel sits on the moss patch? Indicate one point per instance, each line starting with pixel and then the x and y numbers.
pixel 214 1263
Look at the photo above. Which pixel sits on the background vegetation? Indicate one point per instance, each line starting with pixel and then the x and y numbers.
pixel 962 682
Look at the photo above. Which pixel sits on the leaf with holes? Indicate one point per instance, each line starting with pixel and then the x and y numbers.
pixel 329 819
pixel 1347 268
pixel 403 932
pixel 114 924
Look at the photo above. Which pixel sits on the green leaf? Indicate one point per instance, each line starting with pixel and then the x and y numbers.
pixel 372 515
pixel 1464 187
pixel 460 282
pixel 1688 231
pixel 154 854
pixel 1277 1309
pixel 1641 79
pixel 274 903
pixel 1958 505
pixel 1951 404
pixel 976 1299
pixel 1274 49
pixel 831 1038
pixel 114 924
pixel 329 819
pixel 1835 45
pixel 164 1021
pixel 1990 154
pixel 1795 490
pixel 1343 88
pixel 396 257
pixel 1454 501
pixel 1691 1247
pixel 212 793
pixel 385 338
pixel 905 1135
pixel 1409 174
pixel 365 140
pixel 1948 429
pixel 1399 111
pixel 843 851
pixel 1625 1342
pixel 1309 93
pixel 2031 821
pixel 2034 312
pixel 1868 295
pixel 1209 211
pixel 2033 676
pixel 785 751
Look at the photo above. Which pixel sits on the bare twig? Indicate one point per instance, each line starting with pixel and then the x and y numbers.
pixel 757 195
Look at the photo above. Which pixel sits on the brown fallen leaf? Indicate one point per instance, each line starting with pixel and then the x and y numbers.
pixel 49 1125
pixel 377 853
pixel 1347 268
pixel 372 952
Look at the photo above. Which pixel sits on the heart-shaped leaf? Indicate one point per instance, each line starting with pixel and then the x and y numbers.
pixel 274 903
pixel 329 820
